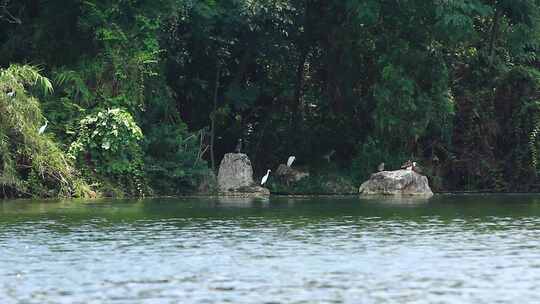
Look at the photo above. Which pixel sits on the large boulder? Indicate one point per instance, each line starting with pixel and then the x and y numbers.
pixel 235 172
pixel 399 182
pixel 235 177
pixel 289 175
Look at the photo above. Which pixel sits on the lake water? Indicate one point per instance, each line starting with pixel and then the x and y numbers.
pixel 449 249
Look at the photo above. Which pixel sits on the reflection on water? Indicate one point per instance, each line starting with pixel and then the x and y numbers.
pixel 404 200
pixel 451 249
pixel 242 202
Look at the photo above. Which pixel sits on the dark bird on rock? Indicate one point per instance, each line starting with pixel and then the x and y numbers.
pixel 238 148
pixel 407 165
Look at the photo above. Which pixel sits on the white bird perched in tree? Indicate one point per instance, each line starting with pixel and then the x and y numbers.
pixel 265 178
pixel 42 129
pixel 11 94
pixel 290 160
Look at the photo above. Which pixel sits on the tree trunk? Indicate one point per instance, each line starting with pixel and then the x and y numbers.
pixel 299 87
pixel 493 37
pixel 242 67
pixel 213 120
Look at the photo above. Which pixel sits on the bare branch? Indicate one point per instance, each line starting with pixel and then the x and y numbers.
pixel 6 15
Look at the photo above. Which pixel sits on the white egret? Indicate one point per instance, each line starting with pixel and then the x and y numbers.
pixel 42 129
pixel 380 168
pixel 11 94
pixel 290 160
pixel 265 178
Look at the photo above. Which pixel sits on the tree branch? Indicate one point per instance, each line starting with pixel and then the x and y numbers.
pixel 5 14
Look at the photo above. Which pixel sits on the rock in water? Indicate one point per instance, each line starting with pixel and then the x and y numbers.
pixel 235 177
pixel 399 182
pixel 235 172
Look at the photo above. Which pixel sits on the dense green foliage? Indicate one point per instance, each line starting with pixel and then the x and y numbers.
pixel 108 144
pixel 150 94
pixel 29 162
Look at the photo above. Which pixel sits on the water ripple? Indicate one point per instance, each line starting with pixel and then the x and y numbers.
pixel 300 253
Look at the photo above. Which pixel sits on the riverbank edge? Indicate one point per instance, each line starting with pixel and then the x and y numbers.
pixel 296 195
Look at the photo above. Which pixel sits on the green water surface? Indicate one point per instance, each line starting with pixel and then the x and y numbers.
pixel 448 249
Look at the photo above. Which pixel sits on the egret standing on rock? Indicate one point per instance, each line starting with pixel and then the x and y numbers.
pixel 42 129
pixel 380 168
pixel 290 160
pixel 265 178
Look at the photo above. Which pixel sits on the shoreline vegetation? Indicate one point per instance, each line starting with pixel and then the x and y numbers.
pixel 379 198
pixel 143 98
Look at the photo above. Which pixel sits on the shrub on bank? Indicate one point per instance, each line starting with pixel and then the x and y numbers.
pixel 31 163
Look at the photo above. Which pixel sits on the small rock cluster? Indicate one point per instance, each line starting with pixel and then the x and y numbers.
pixel 235 178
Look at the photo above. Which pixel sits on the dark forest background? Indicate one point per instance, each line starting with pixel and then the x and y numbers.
pixel 145 96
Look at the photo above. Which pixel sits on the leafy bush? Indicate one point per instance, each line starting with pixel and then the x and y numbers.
pixel 108 145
